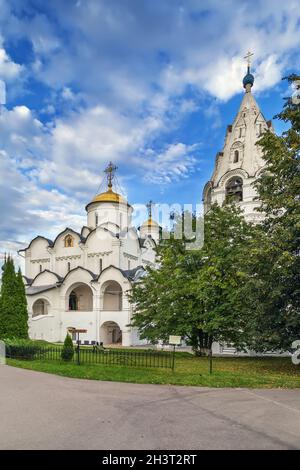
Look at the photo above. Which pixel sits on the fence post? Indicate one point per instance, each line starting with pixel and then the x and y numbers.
pixel 78 350
pixel 173 358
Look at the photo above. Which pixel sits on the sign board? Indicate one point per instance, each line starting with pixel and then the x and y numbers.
pixel 175 340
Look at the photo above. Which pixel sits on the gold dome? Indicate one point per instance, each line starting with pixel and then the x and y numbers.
pixel 109 196
pixel 150 223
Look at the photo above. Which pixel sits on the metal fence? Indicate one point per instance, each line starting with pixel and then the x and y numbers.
pixel 94 356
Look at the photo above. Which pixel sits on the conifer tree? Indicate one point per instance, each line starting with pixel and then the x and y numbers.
pixel 22 306
pixel 13 306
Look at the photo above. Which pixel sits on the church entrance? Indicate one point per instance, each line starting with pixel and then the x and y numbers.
pixel 79 297
pixel 110 333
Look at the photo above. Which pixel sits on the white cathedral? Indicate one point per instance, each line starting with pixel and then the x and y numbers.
pixel 81 280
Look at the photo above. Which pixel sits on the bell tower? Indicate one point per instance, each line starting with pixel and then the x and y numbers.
pixel 240 161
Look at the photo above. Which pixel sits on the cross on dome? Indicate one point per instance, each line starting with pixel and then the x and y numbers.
pixel 110 173
pixel 149 207
pixel 248 57
pixel 248 79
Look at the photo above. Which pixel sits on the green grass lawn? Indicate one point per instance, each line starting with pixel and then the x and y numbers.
pixel 227 372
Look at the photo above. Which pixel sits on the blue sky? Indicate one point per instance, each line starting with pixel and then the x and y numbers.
pixel 150 85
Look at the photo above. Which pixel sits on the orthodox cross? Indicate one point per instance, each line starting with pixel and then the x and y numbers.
pixel 149 207
pixel 110 172
pixel 248 58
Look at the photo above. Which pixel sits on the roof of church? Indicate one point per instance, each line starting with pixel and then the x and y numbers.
pixel 32 290
pixel 133 274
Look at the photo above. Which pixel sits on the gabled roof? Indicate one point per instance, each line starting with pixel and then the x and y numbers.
pixel 93 275
pixel 27 280
pixel 82 239
pixel 59 278
pixel 100 228
pixel 133 274
pixel 50 242
pixel 32 290
pixel 130 274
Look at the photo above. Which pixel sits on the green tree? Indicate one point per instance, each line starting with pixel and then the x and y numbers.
pixel 273 291
pixel 67 351
pixel 13 306
pixel 193 293
pixel 22 306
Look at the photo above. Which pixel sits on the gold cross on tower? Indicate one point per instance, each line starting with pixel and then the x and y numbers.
pixel 110 172
pixel 248 58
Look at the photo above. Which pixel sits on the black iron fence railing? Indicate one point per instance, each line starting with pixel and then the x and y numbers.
pixel 93 356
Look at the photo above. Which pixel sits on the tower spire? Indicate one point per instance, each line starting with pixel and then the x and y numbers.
pixel 248 79
pixel 110 174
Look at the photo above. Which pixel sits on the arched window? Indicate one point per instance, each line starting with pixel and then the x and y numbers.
pixel 236 156
pixel 234 189
pixel 112 298
pixel 41 268
pixel 40 307
pixel 69 266
pixel 69 241
pixel 240 132
pixel 73 301
pixel 100 265
pixel 80 298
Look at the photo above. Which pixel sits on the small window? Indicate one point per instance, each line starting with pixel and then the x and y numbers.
pixel 96 219
pixel 128 264
pixel 100 265
pixel 234 190
pixel 69 267
pixel 240 132
pixel 41 268
pixel 69 241
pixel 236 156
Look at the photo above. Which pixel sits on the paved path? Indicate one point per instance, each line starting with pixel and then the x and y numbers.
pixel 42 411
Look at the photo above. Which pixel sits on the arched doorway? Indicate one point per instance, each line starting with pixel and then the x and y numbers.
pixel 40 307
pixel 110 333
pixel 112 296
pixel 80 298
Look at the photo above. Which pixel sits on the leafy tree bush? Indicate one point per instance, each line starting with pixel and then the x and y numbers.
pixel 193 293
pixel 272 295
pixel 13 304
pixel 67 352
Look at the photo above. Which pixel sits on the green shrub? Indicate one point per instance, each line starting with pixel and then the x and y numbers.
pixel 67 352
pixel 22 348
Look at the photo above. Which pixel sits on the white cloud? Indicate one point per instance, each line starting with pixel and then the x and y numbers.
pixel 121 78
pixel 9 70
pixel 175 162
